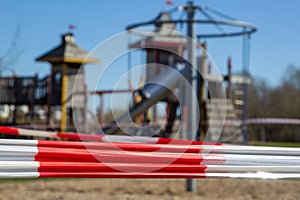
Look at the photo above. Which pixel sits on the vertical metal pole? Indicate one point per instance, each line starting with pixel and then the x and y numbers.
pixel 190 102
pixel 246 55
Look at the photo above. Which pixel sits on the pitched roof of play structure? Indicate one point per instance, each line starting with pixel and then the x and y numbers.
pixel 68 52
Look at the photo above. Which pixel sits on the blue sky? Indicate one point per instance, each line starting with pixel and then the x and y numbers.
pixel 275 46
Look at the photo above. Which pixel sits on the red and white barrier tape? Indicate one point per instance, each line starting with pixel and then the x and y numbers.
pixel 249 121
pixel 106 156
pixel 38 158
pixel 146 175
pixel 273 121
pixel 98 170
pixel 218 154
pixel 144 147
pixel 90 137
pixel 257 121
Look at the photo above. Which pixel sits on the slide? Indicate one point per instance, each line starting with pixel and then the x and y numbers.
pixel 155 90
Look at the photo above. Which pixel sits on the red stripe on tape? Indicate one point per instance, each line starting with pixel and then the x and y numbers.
pixel 119 175
pixel 9 130
pixel 100 167
pixel 114 157
pixel 118 146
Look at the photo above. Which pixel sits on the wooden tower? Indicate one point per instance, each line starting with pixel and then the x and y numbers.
pixel 67 65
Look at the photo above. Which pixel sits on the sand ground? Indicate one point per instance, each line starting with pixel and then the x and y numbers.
pixel 149 189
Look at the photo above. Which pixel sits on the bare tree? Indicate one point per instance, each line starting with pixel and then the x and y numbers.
pixel 278 102
pixel 12 54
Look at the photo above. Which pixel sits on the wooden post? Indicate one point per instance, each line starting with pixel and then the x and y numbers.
pixel 85 122
pixel 32 102
pixel 49 92
pixel 262 133
pixel 101 110
pixel 202 92
pixel 64 98
pixel 15 88
pixel 229 78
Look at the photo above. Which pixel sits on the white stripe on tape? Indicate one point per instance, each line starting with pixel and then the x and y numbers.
pixel 131 139
pixel 18 142
pixel 27 132
pixel 19 175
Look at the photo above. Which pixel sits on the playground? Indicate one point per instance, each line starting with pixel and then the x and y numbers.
pixel 171 125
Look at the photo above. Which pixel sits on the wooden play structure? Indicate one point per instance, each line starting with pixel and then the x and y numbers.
pixel 63 90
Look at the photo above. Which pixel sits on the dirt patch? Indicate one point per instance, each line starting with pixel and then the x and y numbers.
pixel 149 189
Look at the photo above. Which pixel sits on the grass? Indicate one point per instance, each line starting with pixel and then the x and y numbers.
pixel 277 144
